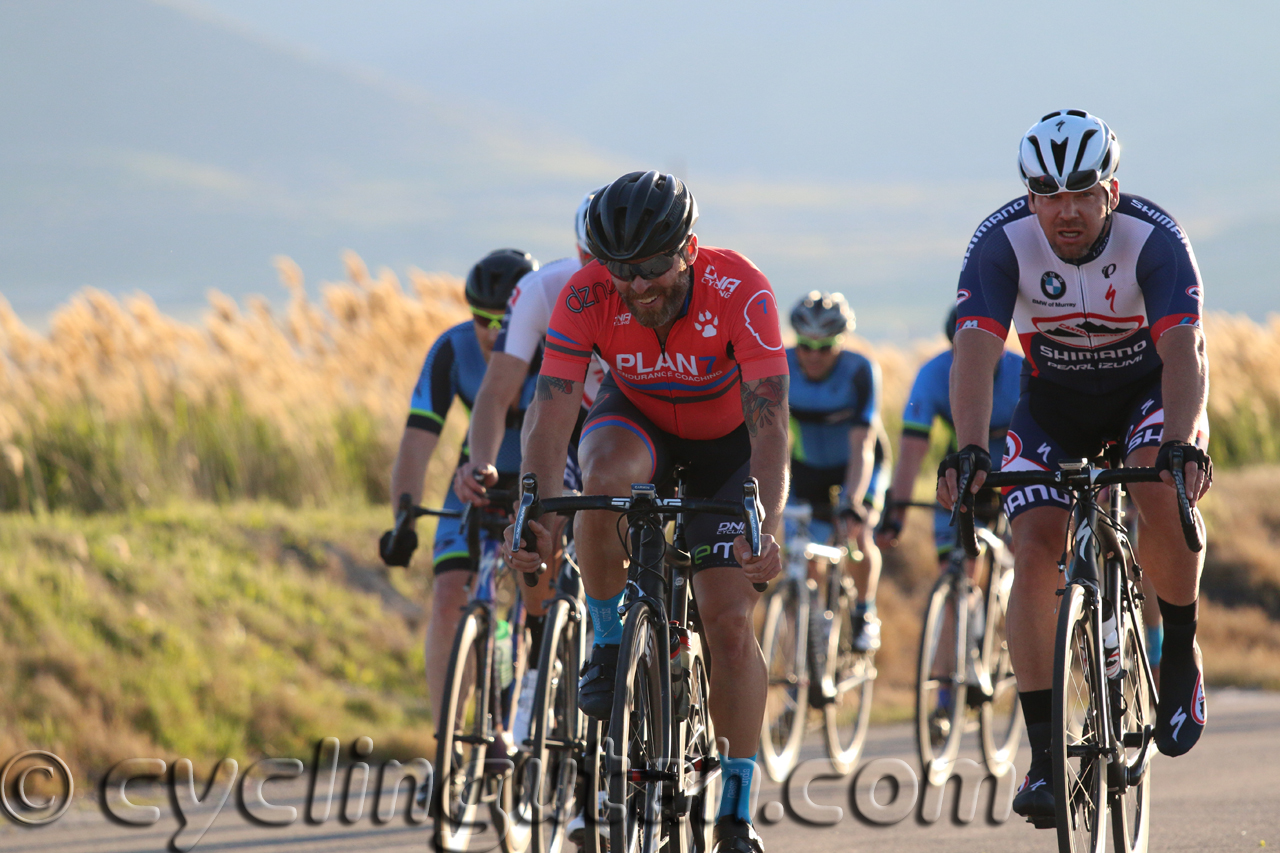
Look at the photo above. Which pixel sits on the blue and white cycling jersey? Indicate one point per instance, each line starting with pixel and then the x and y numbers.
pixel 1088 325
pixel 931 398
pixel 455 368
pixel 823 412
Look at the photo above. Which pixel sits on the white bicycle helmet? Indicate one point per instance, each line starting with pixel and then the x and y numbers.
pixel 1067 150
pixel 580 219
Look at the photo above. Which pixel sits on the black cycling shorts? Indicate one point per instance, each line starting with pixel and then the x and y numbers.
pixel 713 468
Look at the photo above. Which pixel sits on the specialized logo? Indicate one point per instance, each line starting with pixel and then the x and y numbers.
pixel 724 285
pixel 1194 291
pixel 1087 331
pixel 962 295
pixel 1108 270
pixel 1053 285
pixel 1059 125
pixel 707 324
pixel 622 319
pixel 1179 717
pixel 1110 296
pixel 761 314
pixel 734 528
pixel 1028 785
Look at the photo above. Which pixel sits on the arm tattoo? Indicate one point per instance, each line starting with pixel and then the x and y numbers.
pixel 547 384
pixel 764 401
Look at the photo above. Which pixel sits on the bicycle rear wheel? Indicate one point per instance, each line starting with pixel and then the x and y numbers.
pixel 850 676
pixel 549 789
pixel 1131 800
pixel 700 767
pixel 639 740
pixel 1079 760
pixel 940 709
pixel 463 733
pixel 1000 718
pixel 786 630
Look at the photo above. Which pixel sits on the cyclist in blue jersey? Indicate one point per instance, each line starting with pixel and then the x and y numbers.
pixel 1106 295
pixel 835 427
pixel 930 402
pixel 454 369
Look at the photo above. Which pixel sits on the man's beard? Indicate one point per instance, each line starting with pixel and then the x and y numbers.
pixel 665 308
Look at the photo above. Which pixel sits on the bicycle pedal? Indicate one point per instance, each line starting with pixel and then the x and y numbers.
pixel 1043 822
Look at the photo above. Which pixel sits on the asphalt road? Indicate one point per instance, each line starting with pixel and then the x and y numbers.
pixel 1224 795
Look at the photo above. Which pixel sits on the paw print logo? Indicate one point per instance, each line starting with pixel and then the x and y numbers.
pixel 707 324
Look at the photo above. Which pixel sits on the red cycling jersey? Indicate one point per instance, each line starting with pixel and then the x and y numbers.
pixel 728 331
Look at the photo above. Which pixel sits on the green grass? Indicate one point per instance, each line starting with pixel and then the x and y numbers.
pixel 199 631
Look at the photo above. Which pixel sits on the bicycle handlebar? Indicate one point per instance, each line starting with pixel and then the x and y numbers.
pixel 750 511
pixel 1082 477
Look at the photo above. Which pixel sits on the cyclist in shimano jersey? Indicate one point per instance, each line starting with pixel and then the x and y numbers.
pixel 929 402
pixel 835 427
pixel 697 377
pixel 454 369
pixel 1106 295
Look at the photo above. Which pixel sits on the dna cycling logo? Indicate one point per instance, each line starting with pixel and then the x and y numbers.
pixel 1053 285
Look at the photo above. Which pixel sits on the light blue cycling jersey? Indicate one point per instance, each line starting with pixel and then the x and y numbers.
pixel 931 398
pixel 823 411
pixel 455 368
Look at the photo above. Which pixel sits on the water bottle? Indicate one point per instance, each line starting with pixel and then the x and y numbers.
pixel 502 655
pixel 1111 644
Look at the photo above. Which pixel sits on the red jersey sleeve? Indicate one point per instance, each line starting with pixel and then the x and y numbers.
pixel 755 327
pixel 571 333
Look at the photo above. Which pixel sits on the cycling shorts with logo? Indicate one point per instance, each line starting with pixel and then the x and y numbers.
pixel 713 468
pixel 1052 423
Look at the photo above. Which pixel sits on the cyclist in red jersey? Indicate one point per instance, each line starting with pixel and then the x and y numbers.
pixel 698 377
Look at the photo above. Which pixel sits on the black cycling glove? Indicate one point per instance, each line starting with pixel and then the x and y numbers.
pixel 851 512
pixel 979 460
pixel 890 525
pixel 403 552
pixel 1190 453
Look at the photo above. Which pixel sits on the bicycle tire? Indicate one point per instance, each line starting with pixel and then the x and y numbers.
pixel 1131 803
pixel 937 756
pixel 700 764
pixel 461 767
pixel 595 789
pixel 1079 762
pixel 851 675
pixel 639 739
pixel 549 789
pixel 784 643
pixel 1000 718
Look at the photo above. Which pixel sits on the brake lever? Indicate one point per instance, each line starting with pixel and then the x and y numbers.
pixel 754 512
pixel 528 504
pixel 968 540
pixel 1186 513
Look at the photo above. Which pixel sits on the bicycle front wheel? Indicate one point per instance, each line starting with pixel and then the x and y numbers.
pixel 1079 740
pixel 940 711
pixel 1000 718
pixel 1131 800
pixel 639 740
pixel 549 792
pixel 849 677
pixel 786 630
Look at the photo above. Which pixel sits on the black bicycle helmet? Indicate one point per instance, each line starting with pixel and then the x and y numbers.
pixel 640 215
pixel 490 282
pixel 822 315
pixel 949 324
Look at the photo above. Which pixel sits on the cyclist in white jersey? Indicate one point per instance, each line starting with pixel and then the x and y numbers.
pixel 1106 295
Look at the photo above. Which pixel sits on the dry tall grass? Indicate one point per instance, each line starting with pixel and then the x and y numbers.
pixel 120 405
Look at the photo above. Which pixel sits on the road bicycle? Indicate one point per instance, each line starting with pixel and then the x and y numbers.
pixel 661 764
pixel 807 643
pixel 474 767
pixel 964 675
pixel 1104 697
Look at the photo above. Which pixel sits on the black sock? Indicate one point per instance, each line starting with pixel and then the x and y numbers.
pixel 534 625
pixel 1037 707
pixel 1178 614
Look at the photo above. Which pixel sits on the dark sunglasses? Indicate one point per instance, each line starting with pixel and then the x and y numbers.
pixel 1078 181
pixel 648 270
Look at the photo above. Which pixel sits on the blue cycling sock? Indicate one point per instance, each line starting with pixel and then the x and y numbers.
pixel 735 799
pixel 1155 643
pixel 944 696
pixel 605 620
pixel 862 608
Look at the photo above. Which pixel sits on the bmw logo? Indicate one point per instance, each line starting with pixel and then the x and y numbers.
pixel 1053 285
